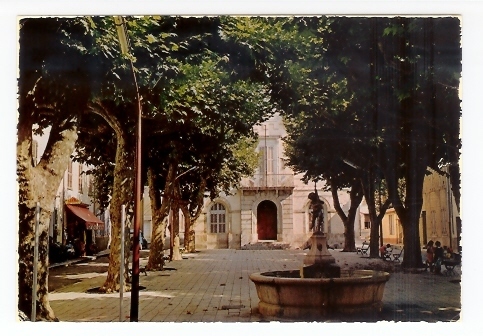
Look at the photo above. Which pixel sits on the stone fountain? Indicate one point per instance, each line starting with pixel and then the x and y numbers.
pixel 320 289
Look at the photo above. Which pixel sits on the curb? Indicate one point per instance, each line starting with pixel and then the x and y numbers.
pixel 79 260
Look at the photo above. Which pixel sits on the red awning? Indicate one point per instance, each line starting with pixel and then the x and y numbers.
pixel 92 222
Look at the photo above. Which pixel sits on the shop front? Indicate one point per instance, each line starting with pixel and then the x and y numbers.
pixel 82 226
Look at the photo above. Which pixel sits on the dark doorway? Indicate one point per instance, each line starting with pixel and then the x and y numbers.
pixel 267 221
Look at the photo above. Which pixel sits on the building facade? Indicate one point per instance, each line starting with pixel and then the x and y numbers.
pixel 76 216
pixel 269 207
pixel 439 219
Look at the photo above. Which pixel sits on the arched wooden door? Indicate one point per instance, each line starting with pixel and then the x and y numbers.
pixel 267 221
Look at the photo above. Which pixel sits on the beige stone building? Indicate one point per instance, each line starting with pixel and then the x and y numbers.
pixel 76 213
pixel 270 207
pixel 439 220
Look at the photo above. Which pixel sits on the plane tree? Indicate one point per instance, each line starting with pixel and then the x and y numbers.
pixel 219 171
pixel 201 166
pixel 147 71
pixel 53 91
pixel 218 108
pixel 314 102
pixel 418 108
pixel 73 68
pixel 309 61
pixel 402 79
pixel 190 86
pixel 351 54
pixel 115 100
pixel 389 86
pixel 67 69
pixel 192 81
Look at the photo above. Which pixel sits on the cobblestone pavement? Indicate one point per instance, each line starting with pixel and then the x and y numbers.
pixel 214 286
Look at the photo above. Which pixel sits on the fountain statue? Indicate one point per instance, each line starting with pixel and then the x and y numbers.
pixel 320 289
pixel 317 207
pixel 318 262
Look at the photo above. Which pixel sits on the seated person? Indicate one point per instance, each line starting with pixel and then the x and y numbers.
pixel 430 255
pixel 384 249
pixel 448 252
pixel 438 257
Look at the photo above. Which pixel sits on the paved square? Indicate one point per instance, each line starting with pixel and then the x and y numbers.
pixel 214 286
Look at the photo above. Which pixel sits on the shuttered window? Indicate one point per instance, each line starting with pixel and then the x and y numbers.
pixel 81 176
pixel 217 218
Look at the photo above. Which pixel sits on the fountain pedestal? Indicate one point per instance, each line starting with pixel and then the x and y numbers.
pixel 319 263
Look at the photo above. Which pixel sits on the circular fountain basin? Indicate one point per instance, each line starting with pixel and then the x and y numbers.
pixel 285 294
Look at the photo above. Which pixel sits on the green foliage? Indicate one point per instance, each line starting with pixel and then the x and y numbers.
pixel 376 83
pixel 244 150
pixel 54 81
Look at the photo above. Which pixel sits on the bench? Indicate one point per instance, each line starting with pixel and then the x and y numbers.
pixel 363 249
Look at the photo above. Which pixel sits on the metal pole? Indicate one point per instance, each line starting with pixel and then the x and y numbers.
pixel 35 263
pixel 121 271
pixel 123 40
pixel 137 214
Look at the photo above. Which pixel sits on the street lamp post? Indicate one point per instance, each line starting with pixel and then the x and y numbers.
pixel 123 41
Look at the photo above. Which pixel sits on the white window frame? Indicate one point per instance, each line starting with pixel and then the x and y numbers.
pixel 218 219
pixel 270 160
pixel 367 222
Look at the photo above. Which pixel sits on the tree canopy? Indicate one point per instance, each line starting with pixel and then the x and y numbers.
pixel 396 112
pixel 379 93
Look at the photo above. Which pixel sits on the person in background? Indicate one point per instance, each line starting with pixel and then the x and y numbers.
pixel 438 257
pixel 448 252
pixel 383 250
pixel 430 255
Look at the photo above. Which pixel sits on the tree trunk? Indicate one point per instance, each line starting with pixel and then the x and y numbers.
pixel 175 229
pixel 368 190
pixel 375 218
pixel 122 190
pixel 348 220
pixel 120 196
pixel 189 236
pixel 189 232
pixel 159 212
pixel 410 211
pixel 38 184
pixel 413 205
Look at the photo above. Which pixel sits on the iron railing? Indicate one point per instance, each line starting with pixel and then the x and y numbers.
pixel 268 180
